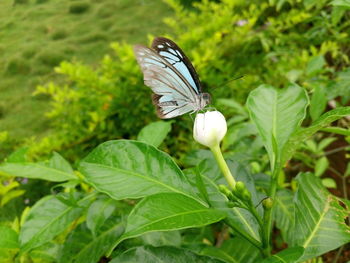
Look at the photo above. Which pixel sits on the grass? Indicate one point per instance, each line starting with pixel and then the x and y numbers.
pixel 37 34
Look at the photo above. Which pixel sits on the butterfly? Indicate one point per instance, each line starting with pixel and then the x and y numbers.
pixel 172 78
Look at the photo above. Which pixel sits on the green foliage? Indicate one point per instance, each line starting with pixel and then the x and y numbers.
pixel 151 173
pixel 169 254
pixel 8 243
pixel 289 255
pixel 171 211
pixel 37 37
pixel 289 44
pixel 56 169
pixel 277 114
pixel 154 133
pixel 128 201
pixel 233 250
pixel 324 220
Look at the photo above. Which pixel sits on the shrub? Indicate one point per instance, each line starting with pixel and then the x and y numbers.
pixel 263 42
pixel 79 7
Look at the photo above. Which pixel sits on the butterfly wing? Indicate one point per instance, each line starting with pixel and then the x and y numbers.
pixel 174 95
pixel 171 52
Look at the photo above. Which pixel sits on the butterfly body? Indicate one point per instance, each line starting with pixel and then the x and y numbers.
pixel 172 78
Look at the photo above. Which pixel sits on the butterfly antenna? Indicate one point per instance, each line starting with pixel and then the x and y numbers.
pixel 261 201
pixel 225 83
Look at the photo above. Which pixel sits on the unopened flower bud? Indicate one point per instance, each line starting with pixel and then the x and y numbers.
pixel 246 195
pixel 267 203
pixel 223 189
pixel 209 128
pixel 240 187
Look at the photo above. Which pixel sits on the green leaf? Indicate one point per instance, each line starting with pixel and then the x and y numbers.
pixel 319 225
pixel 284 213
pixel 321 166
pixel 18 156
pixel 194 157
pixel 345 3
pixel 329 183
pixel 289 255
pixel 148 254
pixel 129 169
pixel 46 253
pixel 81 246
pixel 303 133
pixel 47 218
pixel 337 130
pixel 9 245
pixel 277 114
pixel 59 163
pixel 239 217
pixel 318 102
pixel 98 212
pixel 324 143
pixel 234 250
pixel 315 65
pixel 155 133
pixel 158 239
pixel 171 211
pixel 337 13
pixel 57 169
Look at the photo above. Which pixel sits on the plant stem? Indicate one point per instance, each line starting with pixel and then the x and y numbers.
pixel 265 249
pixel 223 166
pixel 268 211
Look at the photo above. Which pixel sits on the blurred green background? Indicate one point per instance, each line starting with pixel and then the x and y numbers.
pixel 37 35
pixel 69 79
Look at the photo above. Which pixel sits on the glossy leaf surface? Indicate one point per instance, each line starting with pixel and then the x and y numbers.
pixel 98 212
pixel 277 114
pixel 169 212
pixel 289 255
pixel 9 245
pixel 57 169
pixel 319 225
pixel 234 250
pixel 284 212
pixel 82 246
pixel 303 133
pixel 154 133
pixel 211 176
pixel 129 169
pixel 149 254
pixel 48 218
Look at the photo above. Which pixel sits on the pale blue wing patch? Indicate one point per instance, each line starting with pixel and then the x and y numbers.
pixel 174 58
pixel 170 80
pixel 160 77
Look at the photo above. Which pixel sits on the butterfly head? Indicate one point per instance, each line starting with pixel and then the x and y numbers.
pixel 205 100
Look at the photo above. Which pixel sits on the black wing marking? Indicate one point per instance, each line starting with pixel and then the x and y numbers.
pixel 173 54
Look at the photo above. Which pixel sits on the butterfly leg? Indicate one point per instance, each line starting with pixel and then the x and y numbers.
pixel 210 108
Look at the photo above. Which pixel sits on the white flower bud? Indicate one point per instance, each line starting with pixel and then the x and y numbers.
pixel 209 128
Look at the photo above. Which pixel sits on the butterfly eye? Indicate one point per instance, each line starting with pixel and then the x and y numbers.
pixel 206 97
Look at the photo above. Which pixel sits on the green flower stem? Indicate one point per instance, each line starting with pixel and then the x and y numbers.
pixel 268 210
pixel 223 166
pixel 265 249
